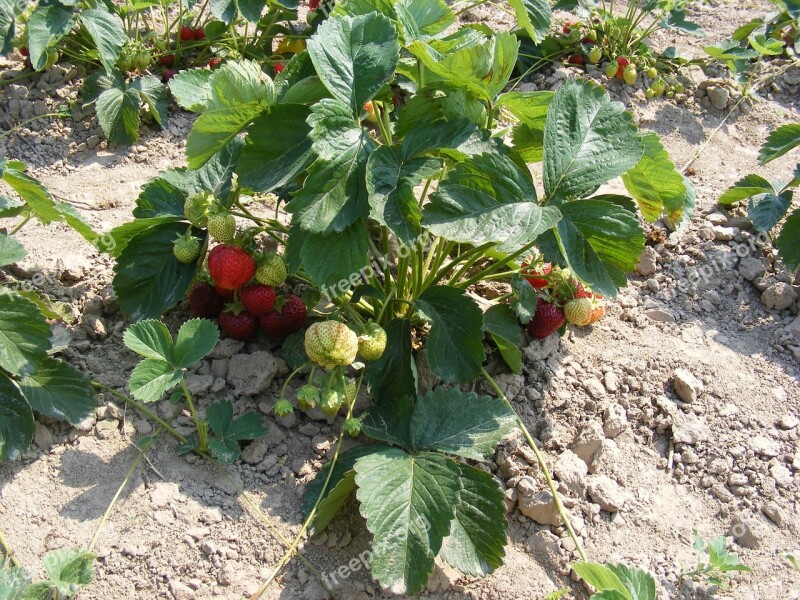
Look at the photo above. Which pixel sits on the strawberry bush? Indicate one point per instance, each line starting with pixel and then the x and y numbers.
pixel 406 171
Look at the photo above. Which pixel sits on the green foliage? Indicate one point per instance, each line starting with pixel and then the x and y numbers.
pixel 771 203
pixel 617 581
pixel 31 379
pixel 68 571
pixel 716 563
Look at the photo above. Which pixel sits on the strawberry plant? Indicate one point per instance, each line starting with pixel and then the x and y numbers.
pixel 617 43
pixel 400 203
pixel 716 563
pixel 769 203
pixel 616 582
pixel 68 571
pixel 32 379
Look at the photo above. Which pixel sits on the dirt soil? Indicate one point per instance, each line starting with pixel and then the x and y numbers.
pixel 678 411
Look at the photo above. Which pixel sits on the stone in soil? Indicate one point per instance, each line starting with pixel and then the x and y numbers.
pixel 778 296
pixel 687 386
pixel 540 507
pixel 251 374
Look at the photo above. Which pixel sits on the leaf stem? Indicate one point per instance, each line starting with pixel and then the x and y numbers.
pixel 21 224
pixel 562 512
pixel 202 427
pixel 8 553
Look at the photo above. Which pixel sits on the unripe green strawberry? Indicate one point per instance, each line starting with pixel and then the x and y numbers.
pixel 282 408
pixel 271 270
pixel 352 426
pixel 222 226
pixel 649 93
pixel 307 396
pixel 186 248
pixel 652 73
pixel 141 60
pixel 629 74
pixel 658 87
pixel 578 311
pixel 195 209
pixel 330 401
pixel 611 70
pixel 595 54
pixel 331 344
pixel 372 343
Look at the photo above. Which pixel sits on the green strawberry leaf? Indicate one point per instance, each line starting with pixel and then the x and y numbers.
pixel 533 16
pixel 293 350
pixel 501 323
pixel 192 89
pixel 148 278
pixel 654 182
pixel 277 148
pixel 390 183
pixel 46 26
pixel 530 109
pixel 215 128
pixel 639 583
pixel 224 10
pixel 150 339
pixel 767 210
pixel 69 570
pixel 779 142
pixel 251 9
pixel 59 391
pixel 11 250
pixel 524 304
pixel 341 485
pixel 601 578
pixel 457 138
pixel 14 582
pixel 196 338
pixel 461 423
pixel 229 431
pixel 419 19
pixel 334 194
pixel 152 378
pixel 750 185
pixel 488 199
pixel 35 195
pixel 455 348
pixel 107 32
pixel 788 242
pixel 409 503
pixel 588 140
pixel 600 241
pixel 24 335
pixel 16 421
pixel 330 260
pixel 475 544
pixel 355 57
pixel 153 93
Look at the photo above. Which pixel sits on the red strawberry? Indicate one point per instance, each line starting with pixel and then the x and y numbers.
pixel 230 266
pixel 576 59
pixel 204 301
pixel 226 295
pixel 536 276
pixel 24 51
pixel 167 75
pixel 257 299
pixel 294 313
pixel 238 323
pixel 274 325
pixel 278 66
pixel 168 60
pixel 567 27
pixel 548 318
pixel 313 4
pixel 581 292
pixel 214 62
pixel 199 34
pixel 187 34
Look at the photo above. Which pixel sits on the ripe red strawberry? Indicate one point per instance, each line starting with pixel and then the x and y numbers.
pixel 293 312
pixel 313 4
pixel 278 66
pixel 257 299
pixel 168 60
pixel 548 318
pixel 204 301
pixel 214 62
pixel 24 51
pixel 581 292
pixel 230 266
pixel 576 59
pixel 623 61
pixel 199 34
pixel 167 75
pixel 274 325
pixel 536 276
pixel 567 27
pixel 187 34
pixel 238 323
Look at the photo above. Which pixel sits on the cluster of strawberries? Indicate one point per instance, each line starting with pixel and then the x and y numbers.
pixel 560 298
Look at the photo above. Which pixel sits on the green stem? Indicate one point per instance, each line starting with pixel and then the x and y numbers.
pixel 31 120
pixel 499 265
pixel 291 376
pixel 443 271
pixel 8 553
pixel 20 225
pixel 470 7
pixel 291 550
pixel 141 408
pixel 200 425
pixel 142 451
pixel 562 512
